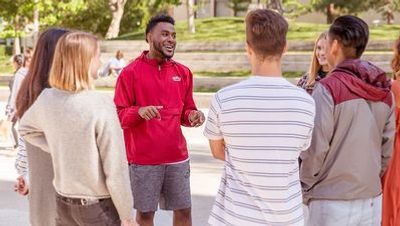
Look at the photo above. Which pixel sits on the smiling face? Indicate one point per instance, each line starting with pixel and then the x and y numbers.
pixel 162 39
pixel 320 52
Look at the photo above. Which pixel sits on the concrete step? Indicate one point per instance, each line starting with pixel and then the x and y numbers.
pixel 221 46
pixel 225 62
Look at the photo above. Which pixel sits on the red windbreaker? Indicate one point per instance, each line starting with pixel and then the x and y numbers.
pixel 143 83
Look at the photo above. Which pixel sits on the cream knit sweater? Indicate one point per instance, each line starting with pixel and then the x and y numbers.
pixel 82 133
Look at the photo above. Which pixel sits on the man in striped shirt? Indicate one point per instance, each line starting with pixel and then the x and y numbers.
pixel 259 127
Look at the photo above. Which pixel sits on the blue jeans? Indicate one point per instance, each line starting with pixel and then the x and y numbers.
pixel 360 212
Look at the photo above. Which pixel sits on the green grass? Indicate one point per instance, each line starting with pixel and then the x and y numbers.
pixel 102 88
pixel 293 74
pixel 244 73
pixel 5 65
pixel 232 29
pixel 207 29
pixel 203 89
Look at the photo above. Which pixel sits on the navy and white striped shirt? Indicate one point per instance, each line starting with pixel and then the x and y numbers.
pixel 265 122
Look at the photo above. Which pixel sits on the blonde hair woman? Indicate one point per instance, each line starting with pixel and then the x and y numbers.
pixel 81 131
pixel 319 65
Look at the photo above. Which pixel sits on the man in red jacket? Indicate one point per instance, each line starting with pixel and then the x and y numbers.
pixel 154 98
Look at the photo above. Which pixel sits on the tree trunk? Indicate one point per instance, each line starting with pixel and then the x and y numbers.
pixel 389 17
pixel 276 5
pixel 389 12
pixel 35 21
pixel 213 8
pixel 17 41
pixel 17 45
pixel 190 8
pixel 117 9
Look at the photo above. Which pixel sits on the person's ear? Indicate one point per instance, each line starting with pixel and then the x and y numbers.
pixel 149 38
pixel 285 48
pixel 334 48
pixel 249 50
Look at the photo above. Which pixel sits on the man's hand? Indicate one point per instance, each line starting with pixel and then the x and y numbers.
pixel 130 222
pixel 20 186
pixel 150 112
pixel 196 118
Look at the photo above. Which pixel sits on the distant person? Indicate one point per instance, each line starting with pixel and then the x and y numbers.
pixel 319 67
pixel 14 85
pixel 353 136
pixel 84 138
pixel 115 65
pixel 154 97
pixel 258 127
pixel 391 180
pixel 37 180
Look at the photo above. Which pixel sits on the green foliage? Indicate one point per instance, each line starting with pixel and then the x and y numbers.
pixel 16 13
pixel 294 8
pixel 5 65
pixel 2 50
pixel 93 16
pixel 343 6
pixel 138 12
pixel 87 15
pixel 335 8
pixel 238 6
pixel 387 8
pixel 10 8
pixel 58 12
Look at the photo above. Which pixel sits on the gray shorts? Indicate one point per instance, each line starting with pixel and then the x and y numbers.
pixel 167 185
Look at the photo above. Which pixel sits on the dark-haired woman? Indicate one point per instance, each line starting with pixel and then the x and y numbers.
pixel 42 203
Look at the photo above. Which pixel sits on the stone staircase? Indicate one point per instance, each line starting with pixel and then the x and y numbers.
pixel 225 57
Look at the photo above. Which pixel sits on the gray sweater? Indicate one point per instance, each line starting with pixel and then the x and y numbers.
pixel 82 133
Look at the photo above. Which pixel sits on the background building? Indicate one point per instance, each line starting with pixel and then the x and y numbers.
pixel 220 8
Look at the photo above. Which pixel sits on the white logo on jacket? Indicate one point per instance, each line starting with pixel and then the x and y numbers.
pixel 176 78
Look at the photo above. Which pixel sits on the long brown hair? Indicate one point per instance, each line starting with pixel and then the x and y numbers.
pixel 396 59
pixel 37 78
pixel 315 66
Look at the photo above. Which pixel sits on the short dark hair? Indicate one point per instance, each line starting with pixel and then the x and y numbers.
pixel 266 32
pixel 19 60
pixel 352 33
pixel 158 19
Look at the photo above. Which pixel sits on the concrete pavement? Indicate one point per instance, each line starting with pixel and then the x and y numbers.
pixel 205 176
